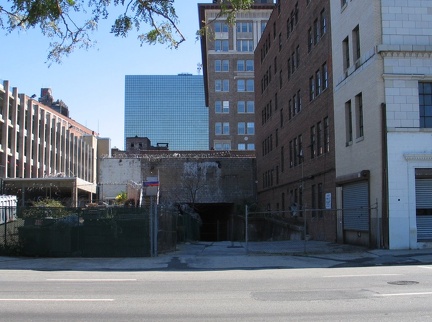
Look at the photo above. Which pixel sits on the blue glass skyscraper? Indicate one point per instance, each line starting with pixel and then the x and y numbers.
pixel 167 109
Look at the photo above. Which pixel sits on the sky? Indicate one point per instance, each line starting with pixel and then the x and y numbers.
pixel 91 82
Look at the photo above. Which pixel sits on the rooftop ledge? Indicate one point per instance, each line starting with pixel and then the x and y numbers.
pixel 404 48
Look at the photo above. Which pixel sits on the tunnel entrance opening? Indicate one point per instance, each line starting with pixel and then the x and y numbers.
pixel 216 221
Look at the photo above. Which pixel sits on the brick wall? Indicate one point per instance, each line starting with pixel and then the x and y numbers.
pixel 184 179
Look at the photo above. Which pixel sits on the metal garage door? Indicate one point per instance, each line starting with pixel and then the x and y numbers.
pixel 424 209
pixel 355 197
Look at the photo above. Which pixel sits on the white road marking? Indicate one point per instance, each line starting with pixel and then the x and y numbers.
pixel 56 300
pixel 91 279
pixel 361 275
pixel 406 294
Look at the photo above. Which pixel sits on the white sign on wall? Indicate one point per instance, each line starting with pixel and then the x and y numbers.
pixel 328 204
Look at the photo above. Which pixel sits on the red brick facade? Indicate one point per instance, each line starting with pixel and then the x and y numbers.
pixel 294 108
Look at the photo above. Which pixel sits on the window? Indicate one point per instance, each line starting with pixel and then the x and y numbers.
pixel 241 107
pixel 220 26
pixel 425 99
pixel 241 86
pixel 250 128
pixel 245 85
pixel 1 106
pixel 297 55
pixel 221 45
pixel 289 69
pixel 317 30
pixel 344 3
pixel 293 63
pixel 280 41
pixel 313 141
pixel 225 107
pixel 245 45
pixel 356 44
pixel 288 28
pixel 245 107
pixel 310 39
pixel 319 139
pixel 326 135
pixel 318 82
pixel 249 85
pixel 244 27
pixel 300 149
pixel 323 22
pixel 221 85
pixel 291 153
pixel 263 25
pixel 221 65
pixel 299 102
pixel 348 122
pixel 292 20
pixel 359 115
pixel 281 116
pixel 218 107
pixel 291 111
pixel 346 53
pixel 222 146
pixel 241 128
pixel 324 76
pixel 245 65
pixel 280 79
pixel 221 128
pixel 249 65
pixel 311 89
pixel 282 158
pixel 250 107
pixel 249 146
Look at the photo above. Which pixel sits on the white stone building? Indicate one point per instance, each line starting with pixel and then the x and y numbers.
pixel 383 114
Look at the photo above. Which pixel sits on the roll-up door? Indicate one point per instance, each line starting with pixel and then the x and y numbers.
pixel 355 197
pixel 424 209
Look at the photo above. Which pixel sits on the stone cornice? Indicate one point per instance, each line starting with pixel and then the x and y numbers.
pixel 418 156
pixel 405 51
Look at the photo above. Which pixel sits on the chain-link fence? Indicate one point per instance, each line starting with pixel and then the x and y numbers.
pixel 88 232
pixel 327 225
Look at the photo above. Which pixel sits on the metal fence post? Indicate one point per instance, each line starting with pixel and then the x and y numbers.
pixel 156 228
pixel 151 227
pixel 5 212
pixel 246 228
pixel 304 230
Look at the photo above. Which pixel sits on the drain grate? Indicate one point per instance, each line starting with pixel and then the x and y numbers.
pixel 403 283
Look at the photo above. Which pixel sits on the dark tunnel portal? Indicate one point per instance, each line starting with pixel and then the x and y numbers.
pixel 216 225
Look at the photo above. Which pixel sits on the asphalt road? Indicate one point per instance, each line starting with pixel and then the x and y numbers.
pixel 391 293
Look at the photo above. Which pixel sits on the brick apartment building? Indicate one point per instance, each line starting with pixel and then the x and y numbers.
pixel 294 112
pixel 228 67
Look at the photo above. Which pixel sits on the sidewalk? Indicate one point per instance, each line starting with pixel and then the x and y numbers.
pixel 201 256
